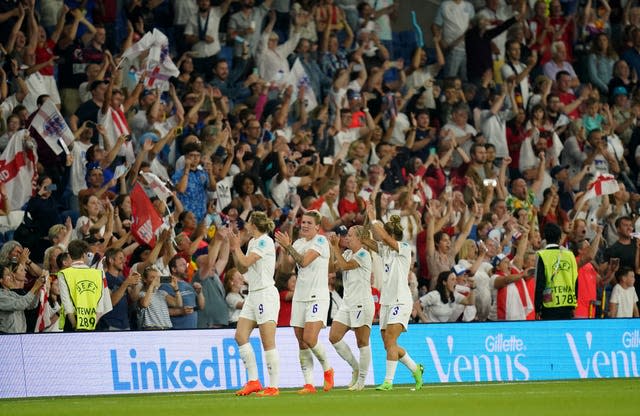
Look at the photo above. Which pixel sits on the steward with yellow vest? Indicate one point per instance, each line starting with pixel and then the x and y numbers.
pixel 83 290
pixel 556 278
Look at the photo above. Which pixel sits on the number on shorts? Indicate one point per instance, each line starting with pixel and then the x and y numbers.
pixel 314 309
pixel 358 315
pixel 396 309
pixel 261 308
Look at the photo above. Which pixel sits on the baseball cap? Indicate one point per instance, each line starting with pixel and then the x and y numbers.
pixel 497 259
pixel 459 269
pixel 619 91
pixel 341 230
pixel 95 84
pixel 557 169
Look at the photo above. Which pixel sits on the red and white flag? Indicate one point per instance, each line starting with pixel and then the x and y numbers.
pixel 115 124
pixel 159 65
pixel 50 124
pixel 18 168
pixel 146 220
pixel 603 184
pixel 157 185
pixel 44 320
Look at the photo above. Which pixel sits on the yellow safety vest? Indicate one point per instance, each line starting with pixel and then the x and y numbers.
pixel 561 274
pixel 85 289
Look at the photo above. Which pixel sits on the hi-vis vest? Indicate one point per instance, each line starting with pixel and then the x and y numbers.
pixel 85 289
pixel 561 274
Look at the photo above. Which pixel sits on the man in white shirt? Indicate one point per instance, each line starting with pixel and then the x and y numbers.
pixel 452 19
pixel 201 32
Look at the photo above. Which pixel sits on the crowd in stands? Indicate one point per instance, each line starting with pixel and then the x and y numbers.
pixel 513 115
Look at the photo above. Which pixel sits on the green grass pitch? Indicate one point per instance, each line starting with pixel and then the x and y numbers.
pixel 586 397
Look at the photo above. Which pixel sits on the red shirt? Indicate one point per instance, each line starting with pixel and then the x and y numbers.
pixel 345 206
pixel 284 316
pixel 587 292
pixel 43 54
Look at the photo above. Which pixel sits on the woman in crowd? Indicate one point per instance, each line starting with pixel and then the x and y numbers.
pixel 396 301
pixel 261 305
pixel 438 305
pixel 13 305
pixel 358 309
pixel 233 284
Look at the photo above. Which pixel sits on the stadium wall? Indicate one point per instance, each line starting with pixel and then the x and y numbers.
pixel 169 361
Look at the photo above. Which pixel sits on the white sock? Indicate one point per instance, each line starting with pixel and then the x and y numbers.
pixel 318 351
pixel 273 367
pixel 365 360
pixel 306 363
pixel 391 371
pixel 249 359
pixel 407 361
pixel 344 351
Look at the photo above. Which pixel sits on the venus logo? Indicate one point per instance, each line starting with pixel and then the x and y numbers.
pixel 86 286
pixel 603 363
pixel 481 367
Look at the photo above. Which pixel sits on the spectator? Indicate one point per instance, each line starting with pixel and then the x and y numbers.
pixel 452 20
pixel 184 316
pixel 234 285
pixel 624 300
pixel 13 305
pixel 124 291
pixel 201 32
pixel 154 303
pixel 193 182
pixel 437 305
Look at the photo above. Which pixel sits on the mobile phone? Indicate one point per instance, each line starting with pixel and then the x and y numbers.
pixel 433 151
pixel 165 279
pixel 615 262
pixel 327 160
pixel 489 182
pixel 448 189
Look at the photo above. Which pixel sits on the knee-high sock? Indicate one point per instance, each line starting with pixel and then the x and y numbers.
pixel 363 366
pixel 318 351
pixel 249 359
pixel 273 367
pixel 306 363
pixel 408 362
pixel 391 371
pixel 344 351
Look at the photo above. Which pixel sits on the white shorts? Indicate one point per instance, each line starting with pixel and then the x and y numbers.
pixel 262 306
pixel 309 311
pixel 356 316
pixel 395 314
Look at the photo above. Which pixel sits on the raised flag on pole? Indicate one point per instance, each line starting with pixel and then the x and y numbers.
pixel 146 220
pixel 157 185
pixel 18 168
pixel 50 124
pixel 159 65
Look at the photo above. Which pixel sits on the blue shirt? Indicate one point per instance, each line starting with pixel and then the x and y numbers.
pixel 118 317
pixel 188 299
pixel 194 198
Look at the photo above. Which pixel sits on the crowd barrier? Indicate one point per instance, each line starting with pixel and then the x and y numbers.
pixel 33 365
